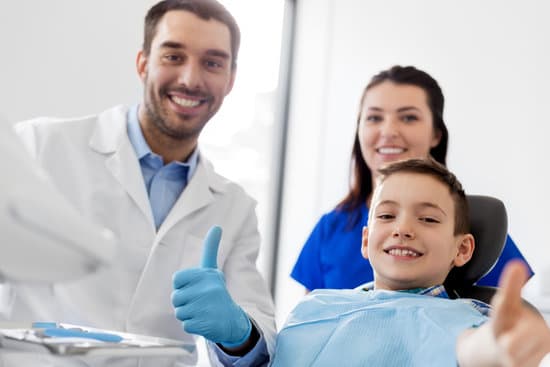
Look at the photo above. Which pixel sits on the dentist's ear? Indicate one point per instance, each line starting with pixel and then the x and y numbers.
pixel 365 242
pixel 231 83
pixel 465 249
pixel 141 65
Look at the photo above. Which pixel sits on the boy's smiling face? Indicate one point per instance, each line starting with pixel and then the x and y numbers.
pixel 410 241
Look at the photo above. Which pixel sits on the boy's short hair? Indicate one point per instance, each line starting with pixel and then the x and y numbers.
pixel 430 167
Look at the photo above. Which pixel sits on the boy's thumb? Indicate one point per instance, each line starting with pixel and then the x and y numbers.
pixel 507 302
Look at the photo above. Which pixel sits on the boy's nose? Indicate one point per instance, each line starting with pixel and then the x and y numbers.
pixel 405 233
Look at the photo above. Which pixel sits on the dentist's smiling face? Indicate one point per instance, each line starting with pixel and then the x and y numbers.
pixel 411 240
pixel 186 75
pixel 396 123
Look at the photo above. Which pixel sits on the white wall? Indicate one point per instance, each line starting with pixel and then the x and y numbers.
pixel 491 59
pixel 68 58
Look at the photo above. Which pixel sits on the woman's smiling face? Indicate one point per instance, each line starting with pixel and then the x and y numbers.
pixel 396 123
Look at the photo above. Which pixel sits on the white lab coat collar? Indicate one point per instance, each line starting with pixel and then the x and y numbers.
pixel 110 137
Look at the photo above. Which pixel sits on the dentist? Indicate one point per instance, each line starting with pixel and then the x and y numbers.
pixel 139 171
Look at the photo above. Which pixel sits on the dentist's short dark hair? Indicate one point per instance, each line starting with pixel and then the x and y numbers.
pixel 204 9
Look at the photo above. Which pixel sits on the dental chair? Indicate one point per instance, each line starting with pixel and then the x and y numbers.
pixel 489 226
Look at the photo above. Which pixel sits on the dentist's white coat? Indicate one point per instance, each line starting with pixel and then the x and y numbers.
pixel 93 162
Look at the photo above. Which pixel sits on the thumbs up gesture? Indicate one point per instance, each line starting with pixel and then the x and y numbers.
pixel 522 336
pixel 203 304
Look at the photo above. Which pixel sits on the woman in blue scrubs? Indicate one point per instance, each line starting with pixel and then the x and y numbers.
pixel 400 117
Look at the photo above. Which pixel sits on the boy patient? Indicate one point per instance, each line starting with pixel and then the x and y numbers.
pixel 418 231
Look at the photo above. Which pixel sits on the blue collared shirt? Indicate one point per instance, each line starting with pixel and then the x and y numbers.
pixel 258 356
pixel 164 183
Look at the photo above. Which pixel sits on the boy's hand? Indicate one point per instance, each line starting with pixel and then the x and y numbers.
pixel 522 336
pixel 203 304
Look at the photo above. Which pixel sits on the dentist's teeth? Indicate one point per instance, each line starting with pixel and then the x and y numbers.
pixel 390 150
pixel 185 102
pixel 402 252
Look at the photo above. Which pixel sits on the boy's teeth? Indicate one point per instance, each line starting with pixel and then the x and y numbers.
pixel 185 102
pixel 390 150
pixel 402 252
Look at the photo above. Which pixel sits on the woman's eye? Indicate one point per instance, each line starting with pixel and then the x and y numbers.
pixel 409 118
pixel 374 118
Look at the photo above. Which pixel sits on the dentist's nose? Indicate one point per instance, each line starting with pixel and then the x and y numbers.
pixel 190 75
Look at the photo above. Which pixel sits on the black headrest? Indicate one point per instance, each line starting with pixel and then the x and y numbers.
pixel 489 226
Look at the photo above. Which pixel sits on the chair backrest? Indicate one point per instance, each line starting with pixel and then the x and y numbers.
pixel 489 226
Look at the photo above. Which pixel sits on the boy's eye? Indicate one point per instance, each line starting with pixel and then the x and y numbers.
pixel 429 220
pixel 385 216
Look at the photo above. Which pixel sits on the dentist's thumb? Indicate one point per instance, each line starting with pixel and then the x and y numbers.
pixel 210 248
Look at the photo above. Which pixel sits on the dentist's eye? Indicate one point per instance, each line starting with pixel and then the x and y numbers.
pixel 213 64
pixel 172 58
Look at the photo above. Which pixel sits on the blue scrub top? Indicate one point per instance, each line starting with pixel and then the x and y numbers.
pixel 331 257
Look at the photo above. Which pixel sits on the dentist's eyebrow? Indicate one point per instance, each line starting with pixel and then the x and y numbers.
pixel 180 46
pixel 172 44
pixel 211 52
pixel 218 53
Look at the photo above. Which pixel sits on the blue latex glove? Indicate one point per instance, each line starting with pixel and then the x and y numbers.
pixel 203 304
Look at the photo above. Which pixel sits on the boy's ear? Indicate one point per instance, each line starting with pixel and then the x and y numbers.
pixel 465 249
pixel 365 242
